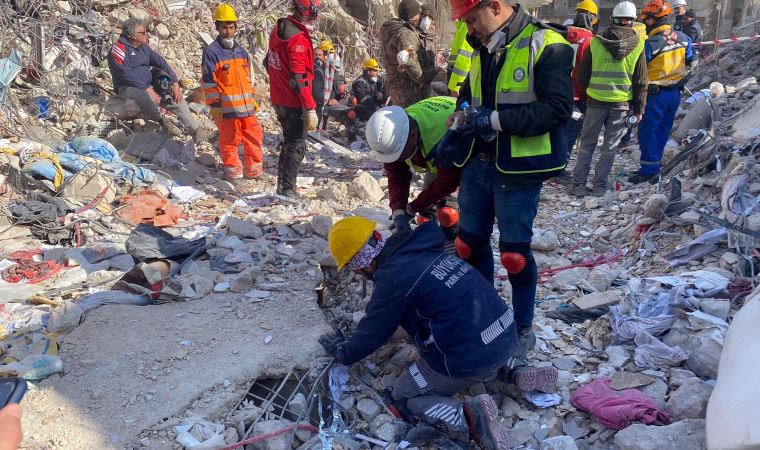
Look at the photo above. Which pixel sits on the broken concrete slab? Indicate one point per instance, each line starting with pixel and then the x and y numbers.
pixel 596 299
pixel 684 435
pixel 690 400
pixel 627 380
pixel 98 403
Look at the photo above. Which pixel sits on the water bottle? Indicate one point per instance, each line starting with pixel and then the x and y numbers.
pixel 472 111
pixel 632 120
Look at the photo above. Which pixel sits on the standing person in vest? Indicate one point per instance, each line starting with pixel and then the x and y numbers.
pixel 409 67
pixel 579 36
pixel 459 58
pixel 290 65
pixel 520 82
pixel 229 93
pixel 402 140
pixel 669 54
pixel 614 73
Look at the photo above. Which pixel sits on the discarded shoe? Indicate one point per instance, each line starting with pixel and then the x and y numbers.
pixel 542 379
pixel 485 428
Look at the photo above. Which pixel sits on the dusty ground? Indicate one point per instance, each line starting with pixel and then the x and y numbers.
pixel 129 367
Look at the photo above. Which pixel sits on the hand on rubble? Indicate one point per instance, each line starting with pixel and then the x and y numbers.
pixel 177 93
pixel 332 343
pixel 310 119
pixel 10 427
pixel 153 95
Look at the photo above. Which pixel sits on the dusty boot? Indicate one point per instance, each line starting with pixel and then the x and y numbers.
pixel 599 191
pixel 638 177
pixel 576 189
pixel 170 128
pixel 484 425
pixel 542 379
pixel 526 340
pixel 564 179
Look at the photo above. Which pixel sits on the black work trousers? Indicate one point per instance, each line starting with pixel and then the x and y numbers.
pixel 292 148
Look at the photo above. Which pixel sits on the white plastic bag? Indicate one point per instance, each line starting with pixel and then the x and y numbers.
pixel 199 434
pixel 402 57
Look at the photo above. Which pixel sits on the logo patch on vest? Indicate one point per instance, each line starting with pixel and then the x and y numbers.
pixel 519 74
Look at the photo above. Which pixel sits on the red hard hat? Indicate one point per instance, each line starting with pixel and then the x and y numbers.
pixel 307 8
pixel 462 7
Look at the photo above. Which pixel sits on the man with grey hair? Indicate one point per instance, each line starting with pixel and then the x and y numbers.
pixel 137 70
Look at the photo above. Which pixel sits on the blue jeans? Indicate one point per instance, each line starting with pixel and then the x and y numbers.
pixel 483 197
pixel 654 129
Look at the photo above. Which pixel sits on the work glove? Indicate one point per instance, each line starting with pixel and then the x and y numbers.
pixel 310 119
pixel 332 344
pixel 401 221
pixel 453 147
pixel 379 97
pixel 478 124
pixel 215 113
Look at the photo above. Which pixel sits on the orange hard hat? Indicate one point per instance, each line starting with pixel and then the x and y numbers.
pixel 656 8
pixel 462 7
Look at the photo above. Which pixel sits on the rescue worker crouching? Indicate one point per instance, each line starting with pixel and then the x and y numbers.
pixel 463 328
pixel 520 81
pixel 369 90
pixel 230 94
pixel 402 139
pixel 290 66
pixel 669 55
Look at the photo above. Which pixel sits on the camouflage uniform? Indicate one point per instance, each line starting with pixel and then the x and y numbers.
pixel 410 83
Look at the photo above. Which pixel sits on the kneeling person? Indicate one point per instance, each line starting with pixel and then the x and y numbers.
pixel 463 329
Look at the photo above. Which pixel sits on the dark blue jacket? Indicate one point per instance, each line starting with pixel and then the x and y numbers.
pixel 130 66
pixel 460 324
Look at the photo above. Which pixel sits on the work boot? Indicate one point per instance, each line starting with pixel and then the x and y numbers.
pixel 565 178
pixel 484 425
pixel 290 193
pixel 638 177
pixel 526 340
pixel 170 128
pixel 576 189
pixel 599 191
pixel 542 379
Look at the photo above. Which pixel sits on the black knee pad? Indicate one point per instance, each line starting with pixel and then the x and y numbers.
pixel 527 275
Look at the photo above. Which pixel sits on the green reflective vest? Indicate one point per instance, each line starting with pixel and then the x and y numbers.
pixel 459 58
pixel 430 115
pixel 515 86
pixel 611 79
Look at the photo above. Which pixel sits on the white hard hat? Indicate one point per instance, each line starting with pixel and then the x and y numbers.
pixel 679 3
pixel 387 133
pixel 625 10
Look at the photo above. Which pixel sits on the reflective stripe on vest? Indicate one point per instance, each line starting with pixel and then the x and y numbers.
pixel 460 57
pixel 515 86
pixel 668 64
pixel 611 79
pixel 430 115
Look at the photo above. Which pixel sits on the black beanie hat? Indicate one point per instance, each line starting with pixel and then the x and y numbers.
pixel 408 9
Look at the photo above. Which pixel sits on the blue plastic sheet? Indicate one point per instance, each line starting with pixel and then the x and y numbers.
pixel 9 68
pixel 93 147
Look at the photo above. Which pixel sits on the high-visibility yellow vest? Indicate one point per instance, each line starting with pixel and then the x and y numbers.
pixel 667 65
pixel 611 79
pixel 640 29
pixel 430 115
pixel 459 57
pixel 515 85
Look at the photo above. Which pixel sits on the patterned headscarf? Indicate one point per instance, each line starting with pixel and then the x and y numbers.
pixel 368 252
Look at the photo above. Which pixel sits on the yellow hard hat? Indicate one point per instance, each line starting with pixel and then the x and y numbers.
pixel 225 13
pixel 326 46
pixel 347 237
pixel 589 6
pixel 371 64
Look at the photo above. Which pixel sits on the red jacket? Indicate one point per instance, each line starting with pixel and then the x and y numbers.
pixel 290 65
pixel 400 176
pixel 580 39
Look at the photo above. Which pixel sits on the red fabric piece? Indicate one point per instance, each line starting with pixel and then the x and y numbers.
pixel 31 271
pixel 580 39
pixel 232 133
pixel 400 176
pixel 617 409
pixel 287 57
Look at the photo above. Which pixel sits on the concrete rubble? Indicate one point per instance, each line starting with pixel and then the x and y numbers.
pixel 639 286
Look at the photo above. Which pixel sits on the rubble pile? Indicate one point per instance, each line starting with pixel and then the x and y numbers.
pixel 136 234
